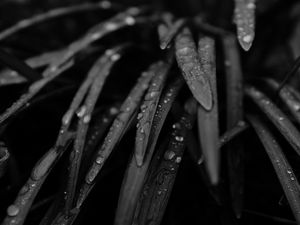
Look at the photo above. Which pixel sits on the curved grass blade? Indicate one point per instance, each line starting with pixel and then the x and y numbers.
pixel 167 32
pixel 147 112
pixel 278 118
pixel 19 66
pixel 208 121
pixel 119 21
pixel 8 76
pixel 135 175
pixel 229 135
pixel 244 17
pixel 100 71
pixel 54 13
pixel 17 212
pixel 234 102
pixel 64 61
pixel 188 61
pixel 116 131
pixel 288 98
pixel 162 173
pixel 282 167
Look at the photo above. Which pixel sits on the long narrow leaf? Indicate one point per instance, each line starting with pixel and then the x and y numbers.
pixel 234 103
pixel 208 121
pixel 117 129
pixel 244 17
pixel 135 175
pixel 159 184
pixel 282 167
pixel 54 13
pixel 188 61
pixel 100 70
pixel 278 118
pixel 147 112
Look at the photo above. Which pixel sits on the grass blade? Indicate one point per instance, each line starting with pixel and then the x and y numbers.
pixel 147 112
pixel 100 70
pixel 278 118
pixel 234 102
pixel 135 175
pixel 54 13
pixel 288 98
pixel 188 61
pixel 159 184
pixel 244 17
pixel 282 167
pixel 117 129
pixel 208 121
pixel 19 66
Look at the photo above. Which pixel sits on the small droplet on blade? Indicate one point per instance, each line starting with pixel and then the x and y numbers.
pixel 244 17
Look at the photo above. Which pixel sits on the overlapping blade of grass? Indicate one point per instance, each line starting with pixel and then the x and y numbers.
pixel 4 157
pixel 24 201
pixel 278 118
pixel 116 131
pixel 19 66
pixel 9 76
pixel 17 212
pixel 100 70
pixel 188 61
pixel 34 88
pixel 167 31
pixel 55 13
pixel 147 112
pixel 135 175
pixel 282 167
pixel 163 170
pixel 288 98
pixel 208 121
pixel 244 17
pixel 64 61
pixel 234 103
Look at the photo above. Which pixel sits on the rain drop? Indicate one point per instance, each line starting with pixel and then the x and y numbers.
pixel 12 210
pixel 179 138
pixel 81 111
pixel 169 155
pixel 86 118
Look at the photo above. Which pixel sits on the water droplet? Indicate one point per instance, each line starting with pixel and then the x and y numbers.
pixel 176 126
pixel 13 210
pixel 87 118
pixel 113 111
pixel 67 117
pixel 95 36
pixel 24 189
pixel 111 26
pixel 169 155
pixel 247 38
pixel 289 172
pixel 115 57
pixel 105 4
pixel 130 20
pixel 251 5
pixel 178 159
pixel 292 178
pixel 99 159
pixel 281 118
pixel 139 116
pixel 159 192
pixel 179 138
pixel 81 111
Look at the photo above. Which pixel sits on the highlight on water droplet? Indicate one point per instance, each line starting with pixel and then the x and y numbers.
pixel 12 210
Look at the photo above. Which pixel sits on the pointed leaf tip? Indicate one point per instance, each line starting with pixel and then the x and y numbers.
pixel 244 17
